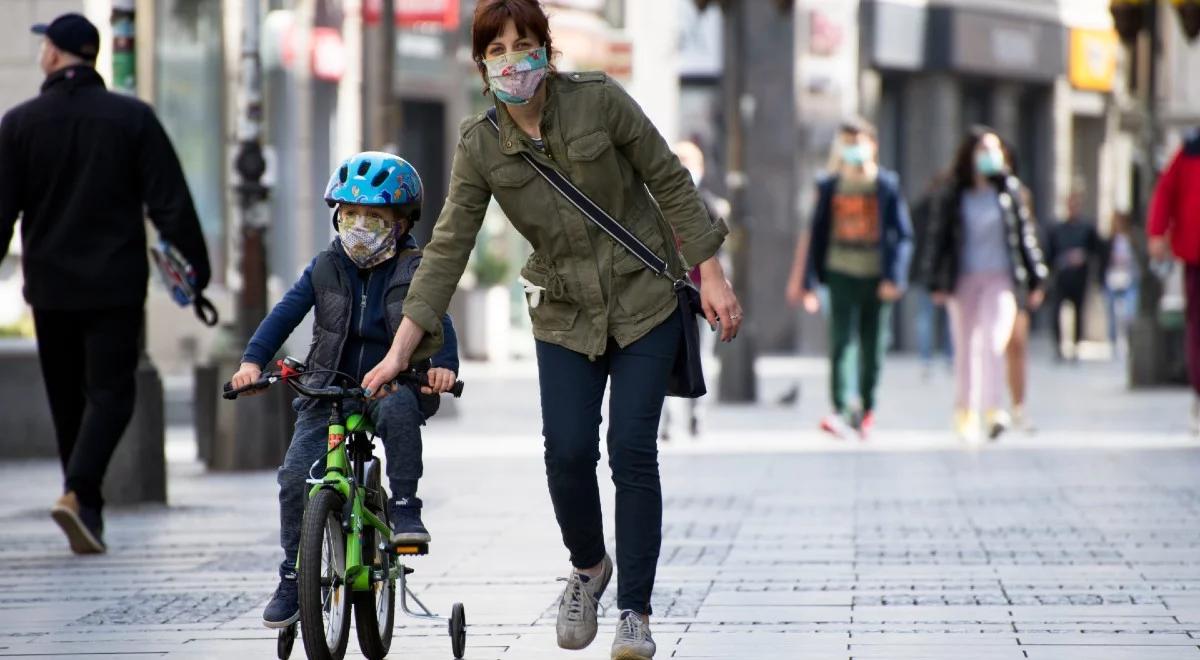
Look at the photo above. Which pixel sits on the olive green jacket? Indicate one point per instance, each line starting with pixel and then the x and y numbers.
pixel 598 137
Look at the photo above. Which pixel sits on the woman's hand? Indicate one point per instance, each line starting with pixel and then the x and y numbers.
pixel 396 360
pixel 718 300
pixel 1036 298
pixel 376 382
pixel 246 374
pixel 440 381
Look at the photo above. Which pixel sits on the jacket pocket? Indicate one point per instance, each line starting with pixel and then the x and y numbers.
pixel 513 175
pixel 551 307
pixel 589 147
pixel 637 291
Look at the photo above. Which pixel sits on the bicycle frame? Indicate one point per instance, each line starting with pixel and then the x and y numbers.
pixel 345 478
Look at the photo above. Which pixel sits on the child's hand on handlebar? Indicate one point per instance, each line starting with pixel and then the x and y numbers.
pixel 441 380
pixel 247 374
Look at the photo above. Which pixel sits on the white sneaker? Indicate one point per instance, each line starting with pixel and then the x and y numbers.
pixel 576 625
pixel 633 641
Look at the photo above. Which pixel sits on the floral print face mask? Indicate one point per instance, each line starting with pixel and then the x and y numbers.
pixel 368 238
pixel 514 77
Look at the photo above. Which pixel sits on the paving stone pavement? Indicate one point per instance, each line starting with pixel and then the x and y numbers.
pixel 1050 550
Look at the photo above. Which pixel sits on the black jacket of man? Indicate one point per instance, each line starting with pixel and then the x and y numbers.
pixel 83 167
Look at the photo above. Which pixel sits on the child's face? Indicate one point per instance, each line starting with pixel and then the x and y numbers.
pixel 376 218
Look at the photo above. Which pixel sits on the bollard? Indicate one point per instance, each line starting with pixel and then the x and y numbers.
pixel 24 408
pixel 137 473
pixel 253 432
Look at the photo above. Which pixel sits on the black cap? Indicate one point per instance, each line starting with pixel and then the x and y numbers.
pixel 72 33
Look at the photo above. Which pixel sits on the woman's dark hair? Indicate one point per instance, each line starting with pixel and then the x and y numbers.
pixel 962 172
pixel 490 17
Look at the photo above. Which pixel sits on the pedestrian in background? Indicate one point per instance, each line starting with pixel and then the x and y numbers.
pixel 932 326
pixel 686 415
pixel 859 246
pixel 1016 354
pixel 1073 246
pixel 1120 271
pixel 1174 227
pixel 79 165
pixel 984 262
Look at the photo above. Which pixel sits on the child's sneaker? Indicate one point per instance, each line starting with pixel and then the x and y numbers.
pixel 407 527
pixel 284 608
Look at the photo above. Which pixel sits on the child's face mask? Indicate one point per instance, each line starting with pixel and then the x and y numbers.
pixel 367 235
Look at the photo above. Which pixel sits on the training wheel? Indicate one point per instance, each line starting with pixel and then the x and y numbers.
pixel 287 638
pixel 458 630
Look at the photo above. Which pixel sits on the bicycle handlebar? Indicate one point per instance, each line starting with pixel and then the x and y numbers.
pixel 333 392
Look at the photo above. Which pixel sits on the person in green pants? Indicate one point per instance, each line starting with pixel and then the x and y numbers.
pixel 859 247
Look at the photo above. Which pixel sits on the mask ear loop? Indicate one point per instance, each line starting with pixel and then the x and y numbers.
pixel 336 210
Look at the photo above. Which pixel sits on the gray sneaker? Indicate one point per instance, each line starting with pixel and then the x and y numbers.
pixel 633 640
pixel 577 607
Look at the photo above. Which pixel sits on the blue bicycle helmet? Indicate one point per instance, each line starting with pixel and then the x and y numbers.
pixel 376 178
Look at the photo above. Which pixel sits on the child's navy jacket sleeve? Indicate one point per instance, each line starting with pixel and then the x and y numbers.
pixel 283 319
pixel 447 357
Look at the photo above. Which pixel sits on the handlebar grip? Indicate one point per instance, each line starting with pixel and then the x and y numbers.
pixel 229 392
pixel 457 390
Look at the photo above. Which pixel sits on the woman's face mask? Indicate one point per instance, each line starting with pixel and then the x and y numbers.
pixel 514 77
pixel 989 162
pixel 367 235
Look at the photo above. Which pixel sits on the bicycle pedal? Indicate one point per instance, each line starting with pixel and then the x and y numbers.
pixel 411 549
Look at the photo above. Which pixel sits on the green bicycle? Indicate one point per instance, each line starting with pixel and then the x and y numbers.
pixel 346 558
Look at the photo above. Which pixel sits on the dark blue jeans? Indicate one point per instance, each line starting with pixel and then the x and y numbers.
pixel 572 389
pixel 397 422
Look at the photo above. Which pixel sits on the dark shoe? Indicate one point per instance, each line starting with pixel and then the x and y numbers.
pixel 284 608
pixel 83 525
pixel 406 522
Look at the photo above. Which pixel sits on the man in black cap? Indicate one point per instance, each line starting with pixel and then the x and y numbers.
pixel 82 167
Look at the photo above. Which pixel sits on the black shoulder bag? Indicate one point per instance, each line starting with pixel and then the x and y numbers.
pixel 687 376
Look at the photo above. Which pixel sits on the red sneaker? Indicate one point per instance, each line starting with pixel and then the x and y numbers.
pixel 866 425
pixel 835 425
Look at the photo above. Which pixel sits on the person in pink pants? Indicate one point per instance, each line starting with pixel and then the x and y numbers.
pixel 984 262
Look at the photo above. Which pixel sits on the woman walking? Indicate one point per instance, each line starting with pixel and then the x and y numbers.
pixel 859 246
pixel 984 262
pixel 598 313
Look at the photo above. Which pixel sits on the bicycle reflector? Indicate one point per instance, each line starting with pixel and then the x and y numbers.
pixel 178 275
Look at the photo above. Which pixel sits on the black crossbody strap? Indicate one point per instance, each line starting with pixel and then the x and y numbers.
pixel 593 212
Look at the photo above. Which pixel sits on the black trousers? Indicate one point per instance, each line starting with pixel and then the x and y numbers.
pixel 89 362
pixel 572 389
pixel 1069 287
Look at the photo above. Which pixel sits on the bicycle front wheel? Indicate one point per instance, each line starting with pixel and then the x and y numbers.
pixel 375 609
pixel 324 594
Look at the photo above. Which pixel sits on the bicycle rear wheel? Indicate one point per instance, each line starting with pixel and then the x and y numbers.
pixel 375 609
pixel 324 594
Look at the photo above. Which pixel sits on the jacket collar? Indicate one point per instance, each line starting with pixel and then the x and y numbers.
pixel 512 138
pixel 69 78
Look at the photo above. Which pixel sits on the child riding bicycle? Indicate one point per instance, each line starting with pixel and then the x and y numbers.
pixel 356 288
